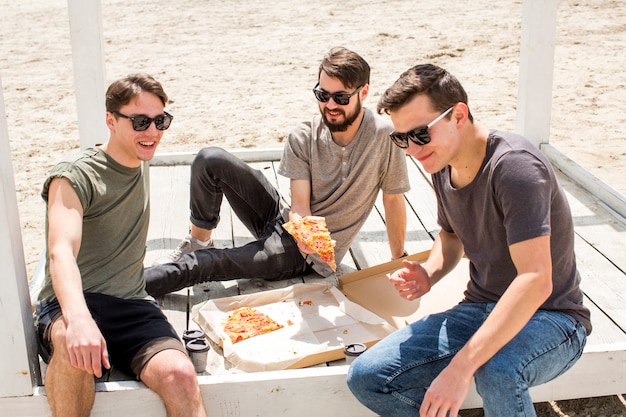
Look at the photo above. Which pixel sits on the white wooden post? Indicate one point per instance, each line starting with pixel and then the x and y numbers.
pixel 89 74
pixel 534 99
pixel 19 370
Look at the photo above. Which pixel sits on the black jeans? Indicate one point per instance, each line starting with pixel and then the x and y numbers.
pixel 215 173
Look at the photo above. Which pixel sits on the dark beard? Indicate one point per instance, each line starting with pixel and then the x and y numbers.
pixel 343 126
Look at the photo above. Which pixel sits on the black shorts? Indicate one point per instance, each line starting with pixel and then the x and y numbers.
pixel 134 330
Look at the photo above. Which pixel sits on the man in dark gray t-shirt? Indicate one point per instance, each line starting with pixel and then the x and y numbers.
pixel 521 322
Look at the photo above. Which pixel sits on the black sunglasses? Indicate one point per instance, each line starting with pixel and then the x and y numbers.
pixel 340 98
pixel 141 123
pixel 419 135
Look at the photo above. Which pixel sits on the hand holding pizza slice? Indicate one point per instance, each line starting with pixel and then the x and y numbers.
pixel 312 231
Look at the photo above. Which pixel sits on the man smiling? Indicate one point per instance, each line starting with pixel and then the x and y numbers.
pixel 522 321
pixel 93 311
pixel 337 163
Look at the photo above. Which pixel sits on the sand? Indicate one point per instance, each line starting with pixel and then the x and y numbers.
pixel 240 76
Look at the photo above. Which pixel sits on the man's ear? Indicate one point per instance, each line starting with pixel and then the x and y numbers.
pixel 364 92
pixel 110 120
pixel 461 113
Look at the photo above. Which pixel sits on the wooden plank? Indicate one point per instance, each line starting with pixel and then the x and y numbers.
pixel 594 186
pixel 289 393
pixel 602 282
pixel 89 69
pixel 18 366
pixel 169 210
pixel 418 239
pixel 319 391
pixel 370 247
pixel 421 198
pixel 245 154
pixel 605 331
pixel 27 406
pixel 601 228
pixel 534 98
pixel 600 238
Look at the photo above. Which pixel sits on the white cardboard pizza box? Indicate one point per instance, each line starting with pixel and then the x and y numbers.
pixel 318 321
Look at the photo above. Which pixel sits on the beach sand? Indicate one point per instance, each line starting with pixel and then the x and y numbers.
pixel 240 76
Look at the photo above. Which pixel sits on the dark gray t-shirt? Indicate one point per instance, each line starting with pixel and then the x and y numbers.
pixel 514 197
pixel 345 180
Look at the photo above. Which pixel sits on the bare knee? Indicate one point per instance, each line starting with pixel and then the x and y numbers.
pixel 171 374
pixel 59 353
pixel 60 371
pixel 183 375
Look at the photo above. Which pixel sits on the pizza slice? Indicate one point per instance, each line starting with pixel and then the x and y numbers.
pixel 312 231
pixel 246 322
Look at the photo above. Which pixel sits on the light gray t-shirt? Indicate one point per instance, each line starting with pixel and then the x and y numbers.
pixel 514 197
pixel 115 201
pixel 345 180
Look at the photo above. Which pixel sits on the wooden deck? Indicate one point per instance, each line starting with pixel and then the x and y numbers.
pixel 321 390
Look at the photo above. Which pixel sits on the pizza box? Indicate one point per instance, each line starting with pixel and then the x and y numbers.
pixel 318 320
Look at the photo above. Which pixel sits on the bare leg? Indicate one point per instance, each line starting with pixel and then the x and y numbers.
pixel 170 374
pixel 70 391
pixel 200 233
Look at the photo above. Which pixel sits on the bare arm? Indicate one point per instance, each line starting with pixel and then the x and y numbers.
pixel 415 280
pixel 84 342
pixel 528 291
pixel 300 205
pixel 395 222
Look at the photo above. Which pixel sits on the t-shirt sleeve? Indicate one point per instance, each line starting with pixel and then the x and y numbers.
pixel 442 218
pixel 295 161
pixel 396 178
pixel 522 187
pixel 77 179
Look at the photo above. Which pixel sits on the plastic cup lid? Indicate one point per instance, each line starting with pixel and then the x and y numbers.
pixel 197 345
pixel 354 349
pixel 193 334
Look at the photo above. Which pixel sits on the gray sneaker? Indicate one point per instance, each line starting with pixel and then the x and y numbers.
pixel 187 245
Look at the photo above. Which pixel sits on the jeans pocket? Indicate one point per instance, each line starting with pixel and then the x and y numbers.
pixel 577 341
pixel 566 351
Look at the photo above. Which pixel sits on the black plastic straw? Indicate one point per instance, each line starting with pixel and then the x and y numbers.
pixel 188 308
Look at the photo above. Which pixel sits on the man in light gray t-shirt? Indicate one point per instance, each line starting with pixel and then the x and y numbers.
pixel 368 163
pixel 337 163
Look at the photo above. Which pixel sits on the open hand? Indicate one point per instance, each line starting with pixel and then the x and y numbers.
pixel 412 281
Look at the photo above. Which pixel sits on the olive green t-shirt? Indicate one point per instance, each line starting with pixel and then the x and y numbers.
pixel 115 201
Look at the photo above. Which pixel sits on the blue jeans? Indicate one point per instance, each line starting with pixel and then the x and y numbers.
pixel 215 174
pixel 392 377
